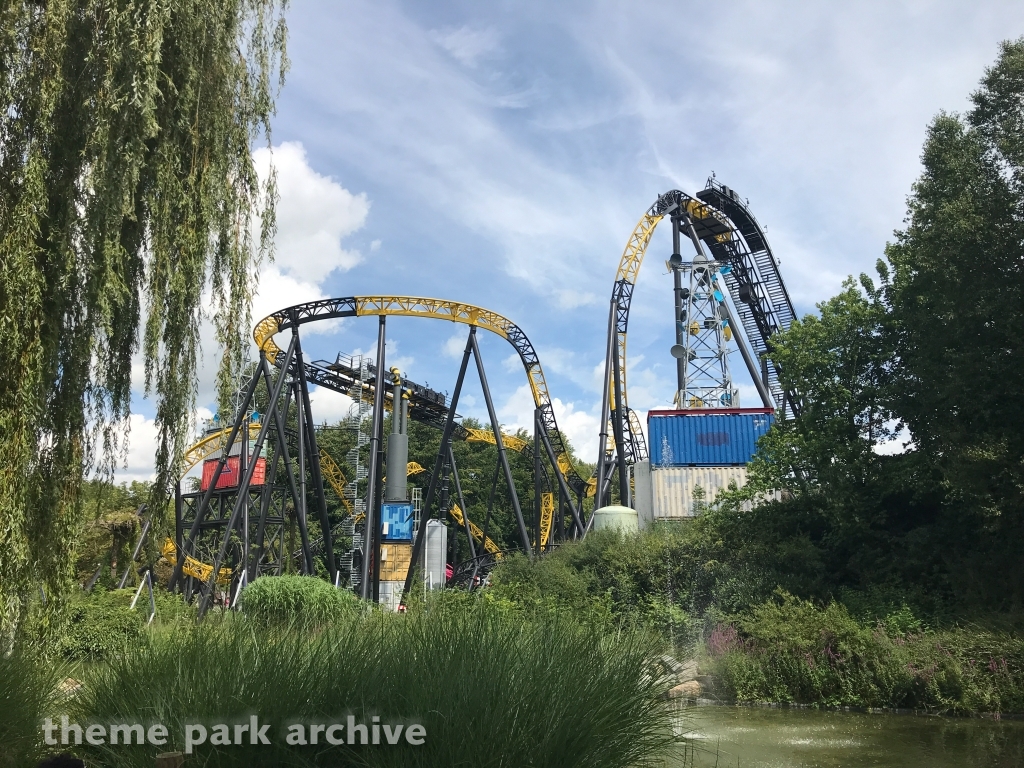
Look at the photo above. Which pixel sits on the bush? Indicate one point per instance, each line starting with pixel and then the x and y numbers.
pixel 300 600
pixel 490 687
pixel 789 650
pixel 28 691
pixel 100 625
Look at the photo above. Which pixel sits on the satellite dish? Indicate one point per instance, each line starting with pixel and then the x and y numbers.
pixel 678 351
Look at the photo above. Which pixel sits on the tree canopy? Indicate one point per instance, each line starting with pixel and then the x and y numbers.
pixel 937 347
pixel 127 192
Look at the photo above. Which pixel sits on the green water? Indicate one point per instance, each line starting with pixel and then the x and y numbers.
pixel 782 738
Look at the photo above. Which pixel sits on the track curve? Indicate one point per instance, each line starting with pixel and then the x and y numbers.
pixel 438 309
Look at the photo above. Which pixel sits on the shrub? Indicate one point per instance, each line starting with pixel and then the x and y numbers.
pixel 491 688
pixel 789 650
pixel 28 691
pixel 100 625
pixel 301 600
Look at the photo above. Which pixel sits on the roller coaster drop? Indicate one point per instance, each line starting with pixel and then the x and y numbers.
pixel 718 219
pixel 224 533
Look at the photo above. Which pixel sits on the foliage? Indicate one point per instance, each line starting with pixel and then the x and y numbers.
pixel 957 292
pixel 789 650
pixel 304 601
pixel 490 688
pixel 936 347
pixel 28 692
pixel 126 188
pixel 101 625
pixel 840 363
pixel 109 531
pixel 612 580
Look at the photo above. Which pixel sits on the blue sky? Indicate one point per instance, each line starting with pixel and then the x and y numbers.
pixel 501 153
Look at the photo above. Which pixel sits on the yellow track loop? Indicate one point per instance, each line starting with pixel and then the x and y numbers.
pixel 194 567
pixel 415 306
pixel 629 271
pixel 456 312
pixel 201 450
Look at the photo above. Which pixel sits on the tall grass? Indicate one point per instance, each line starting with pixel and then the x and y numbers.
pixel 303 601
pixel 491 688
pixel 28 691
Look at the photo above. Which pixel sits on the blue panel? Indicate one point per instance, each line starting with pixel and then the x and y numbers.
pixel 705 438
pixel 397 519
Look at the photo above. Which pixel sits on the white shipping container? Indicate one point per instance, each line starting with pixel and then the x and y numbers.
pixel 391 594
pixel 673 487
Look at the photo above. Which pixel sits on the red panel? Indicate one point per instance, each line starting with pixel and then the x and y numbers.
pixel 707 411
pixel 229 476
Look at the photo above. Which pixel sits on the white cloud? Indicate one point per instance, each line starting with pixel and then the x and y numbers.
pixel 579 426
pixel 138 464
pixel 314 214
pixel 571 299
pixel 455 346
pixel 375 245
pixel 465 44
pixel 328 406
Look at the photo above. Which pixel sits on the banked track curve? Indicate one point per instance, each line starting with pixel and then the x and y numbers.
pixel 438 309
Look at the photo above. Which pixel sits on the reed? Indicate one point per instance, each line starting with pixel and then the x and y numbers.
pixel 491 688
pixel 29 689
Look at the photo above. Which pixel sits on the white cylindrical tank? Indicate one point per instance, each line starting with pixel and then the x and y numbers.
pixel 623 518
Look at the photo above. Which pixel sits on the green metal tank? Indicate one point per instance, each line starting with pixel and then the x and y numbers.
pixel 623 518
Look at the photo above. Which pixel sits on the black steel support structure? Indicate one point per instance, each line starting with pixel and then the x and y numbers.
pixel 462 502
pixel 617 419
pixel 306 415
pixel 603 456
pixel 446 436
pixel 186 544
pixel 243 488
pixel 502 456
pixel 372 519
pixel 537 506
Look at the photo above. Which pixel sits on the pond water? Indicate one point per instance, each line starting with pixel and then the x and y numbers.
pixel 750 737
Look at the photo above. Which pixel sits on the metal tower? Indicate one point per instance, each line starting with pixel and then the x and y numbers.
pixel 702 336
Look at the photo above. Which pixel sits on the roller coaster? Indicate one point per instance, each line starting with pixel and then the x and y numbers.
pixel 246 528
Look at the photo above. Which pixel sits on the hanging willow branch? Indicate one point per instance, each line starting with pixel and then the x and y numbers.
pixel 127 189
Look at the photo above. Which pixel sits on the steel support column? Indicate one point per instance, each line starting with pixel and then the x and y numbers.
pixel 243 488
pixel 446 436
pixel 462 502
pixel 185 548
pixel 502 456
pixel 373 478
pixel 606 395
pixel 306 413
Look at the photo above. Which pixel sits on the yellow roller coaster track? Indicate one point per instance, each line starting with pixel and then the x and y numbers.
pixel 490 546
pixel 439 309
pixel 629 271
pixel 193 567
pixel 547 500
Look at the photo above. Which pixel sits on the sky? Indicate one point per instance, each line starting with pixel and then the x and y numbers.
pixel 500 154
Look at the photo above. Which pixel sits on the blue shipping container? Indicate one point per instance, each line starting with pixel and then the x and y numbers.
pixel 706 438
pixel 396 520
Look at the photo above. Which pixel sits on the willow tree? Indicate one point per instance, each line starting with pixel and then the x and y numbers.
pixel 127 190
